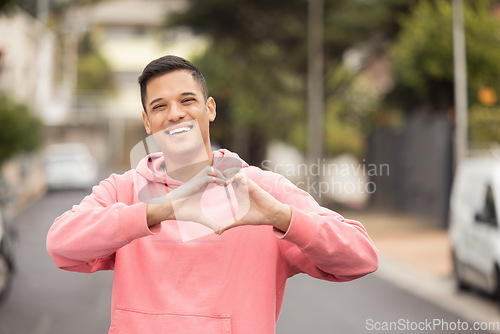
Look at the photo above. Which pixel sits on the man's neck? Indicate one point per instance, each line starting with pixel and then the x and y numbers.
pixel 185 169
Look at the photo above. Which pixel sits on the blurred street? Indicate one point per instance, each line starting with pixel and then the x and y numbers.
pixel 47 300
pixel 413 283
pixel 389 109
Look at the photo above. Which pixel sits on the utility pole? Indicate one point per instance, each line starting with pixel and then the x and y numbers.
pixel 43 84
pixel 315 92
pixel 460 71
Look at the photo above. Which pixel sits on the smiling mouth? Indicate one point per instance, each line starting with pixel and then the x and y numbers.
pixel 178 130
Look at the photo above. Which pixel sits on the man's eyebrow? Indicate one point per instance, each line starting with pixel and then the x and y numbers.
pixel 182 94
pixel 155 100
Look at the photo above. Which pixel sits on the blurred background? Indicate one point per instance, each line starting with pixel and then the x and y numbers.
pixel 369 105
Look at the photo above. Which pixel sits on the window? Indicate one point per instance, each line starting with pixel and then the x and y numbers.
pixel 488 214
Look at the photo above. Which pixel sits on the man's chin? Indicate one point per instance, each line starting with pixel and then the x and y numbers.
pixel 185 152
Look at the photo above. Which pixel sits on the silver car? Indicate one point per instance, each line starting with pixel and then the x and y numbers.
pixel 70 165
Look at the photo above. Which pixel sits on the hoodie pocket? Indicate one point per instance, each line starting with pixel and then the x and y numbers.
pixel 126 321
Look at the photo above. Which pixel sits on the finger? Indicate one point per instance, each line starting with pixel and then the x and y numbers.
pixel 216 180
pixel 206 221
pixel 198 184
pixel 231 172
pixel 236 178
pixel 241 191
pixel 239 182
pixel 206 176
pixel 216 175
pixel 217 228
pixel 213 174
pixel 223 228
pixel 210 170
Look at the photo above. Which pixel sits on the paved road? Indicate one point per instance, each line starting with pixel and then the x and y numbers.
pixel 361 307
pixel 46 300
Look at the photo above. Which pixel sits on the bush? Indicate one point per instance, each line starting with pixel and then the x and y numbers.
pixel 20 130
pixel 484 123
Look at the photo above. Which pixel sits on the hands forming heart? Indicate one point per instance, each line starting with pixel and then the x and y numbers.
pixel 211 198
pixel 221 200
pixel 216 199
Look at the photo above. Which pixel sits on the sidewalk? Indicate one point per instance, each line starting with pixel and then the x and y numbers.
pixel 416 257
pixel 408 240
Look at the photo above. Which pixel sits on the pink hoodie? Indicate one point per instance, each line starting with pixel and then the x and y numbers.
pixel 178 278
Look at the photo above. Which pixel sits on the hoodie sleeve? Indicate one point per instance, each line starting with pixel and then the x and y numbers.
pixel 85 238
pixel 322 243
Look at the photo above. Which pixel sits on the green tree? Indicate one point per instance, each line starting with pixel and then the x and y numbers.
pixel 423 52
pixel 423 62
pixel 20 130
pixel 253 46
pixel 256 63
pixel 6 6
pixel 484 126
pixel 94 72
pixel 350 106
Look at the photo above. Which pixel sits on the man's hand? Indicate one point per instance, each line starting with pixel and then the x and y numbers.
pixel 255 205
pixel 183 203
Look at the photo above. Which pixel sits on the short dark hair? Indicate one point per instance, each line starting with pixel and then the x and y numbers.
pixel 167 64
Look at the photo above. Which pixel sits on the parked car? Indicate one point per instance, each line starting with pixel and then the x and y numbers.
pixel 6 257
pixel 474 225
pixel 70 165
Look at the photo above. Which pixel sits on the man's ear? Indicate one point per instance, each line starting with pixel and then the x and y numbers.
pixel 211 108
pixel 145 119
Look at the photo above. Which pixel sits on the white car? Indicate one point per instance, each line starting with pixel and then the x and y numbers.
pixel 474 225
pixel 70 165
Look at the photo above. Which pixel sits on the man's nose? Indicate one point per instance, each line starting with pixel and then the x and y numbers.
pixel 176 113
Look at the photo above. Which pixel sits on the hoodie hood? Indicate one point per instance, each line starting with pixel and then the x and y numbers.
pixel 152 166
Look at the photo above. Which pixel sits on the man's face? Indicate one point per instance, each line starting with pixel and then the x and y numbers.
pixel 177 113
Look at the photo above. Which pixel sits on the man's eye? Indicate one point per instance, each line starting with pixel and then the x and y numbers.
pixel 188 100
pixel 158 106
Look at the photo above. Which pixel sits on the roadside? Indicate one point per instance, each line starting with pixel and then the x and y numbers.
pixel 416 257
pixel 409 240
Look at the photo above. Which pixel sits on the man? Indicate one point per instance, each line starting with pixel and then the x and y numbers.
pixel 154 226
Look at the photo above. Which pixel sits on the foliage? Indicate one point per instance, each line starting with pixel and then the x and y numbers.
pixel 484 125
pixel 423 52
pixel 250 98
pixel 256 64
pixel 94 72
pixel 20 129
pixel 348 22
pixel 349 111
pixel 6 6
pixel 247 67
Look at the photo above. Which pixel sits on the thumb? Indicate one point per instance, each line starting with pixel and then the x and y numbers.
pixel 230 223
pixel 206 221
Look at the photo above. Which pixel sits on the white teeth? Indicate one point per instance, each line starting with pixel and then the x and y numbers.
pixel 179 130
